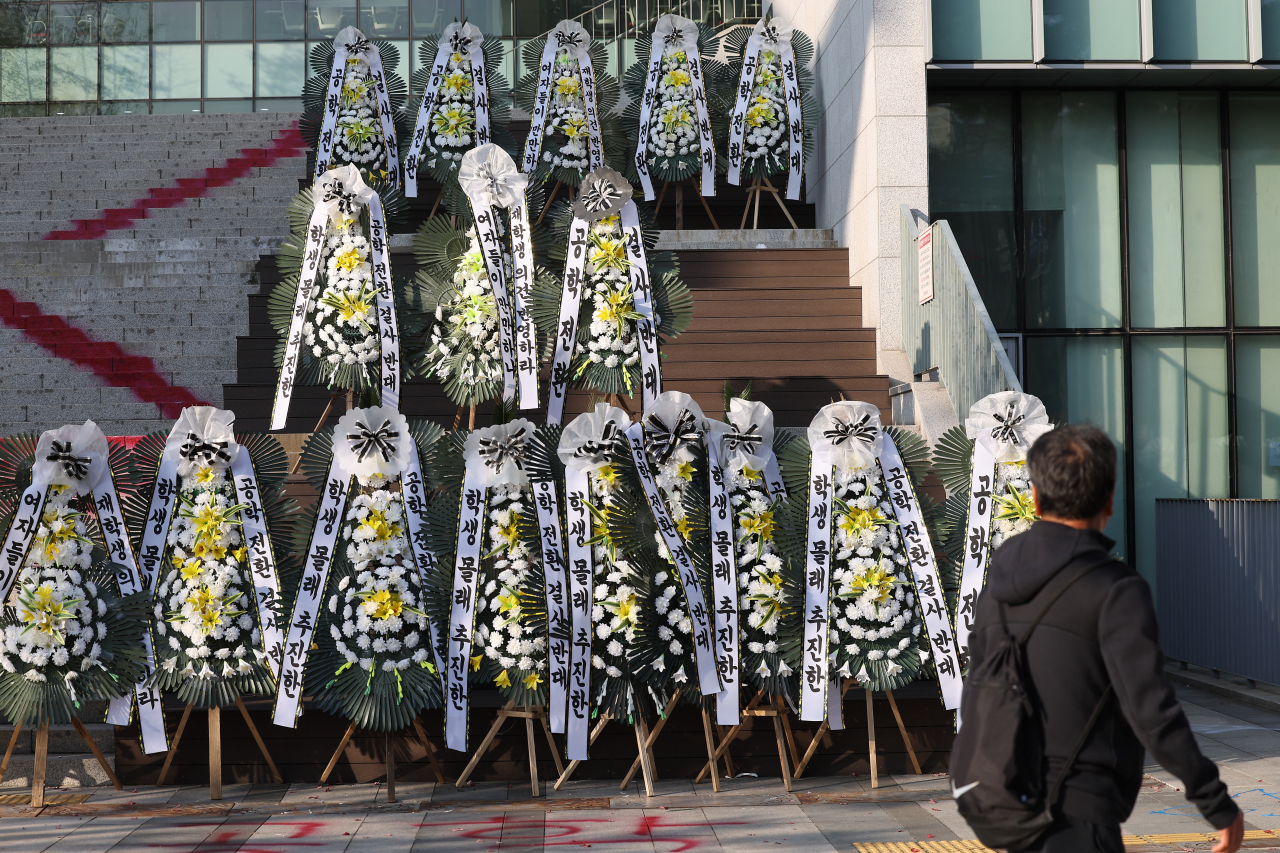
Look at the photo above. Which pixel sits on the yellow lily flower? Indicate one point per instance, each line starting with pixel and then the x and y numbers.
pixel 761 525
pixel 532 680
pixel 684 528
pixel 685 471
pixel 567 86
pixel 608 474
pixel 503 680
pixel 205 476
pixel 191 570
pixel 475 663
pixel 348 260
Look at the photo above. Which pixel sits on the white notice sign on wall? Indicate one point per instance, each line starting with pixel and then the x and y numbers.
pixel 925 275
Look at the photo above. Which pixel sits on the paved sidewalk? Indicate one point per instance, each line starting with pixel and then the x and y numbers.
pixel 905 814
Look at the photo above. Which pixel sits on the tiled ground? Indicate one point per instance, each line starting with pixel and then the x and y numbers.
pixel 821 815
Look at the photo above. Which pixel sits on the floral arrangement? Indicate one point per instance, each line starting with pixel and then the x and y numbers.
pixel 67 635
pixel 1015 509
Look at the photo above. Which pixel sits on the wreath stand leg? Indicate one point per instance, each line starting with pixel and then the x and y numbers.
pixel 781 732
pixel 97 753
pixel 41 766
pixel 777 196
pixel 337 753
pixel 215 753
pixel 547 206
pixel 753 193
pixel 709 767
pixel 893 704
pixel 324 417
pixel 661 196
pixel 546 729
pixel 262 747
pixel 173 747
pixel 647 751
pixel 711 749
pixel 8 753
pixel 573 765
pixel 431 750
pixel 680 206
pixel 391 768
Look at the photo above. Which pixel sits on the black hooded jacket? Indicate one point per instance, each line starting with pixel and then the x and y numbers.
pixel 1103 629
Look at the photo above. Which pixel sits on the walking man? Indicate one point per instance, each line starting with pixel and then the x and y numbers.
pixel 1084 682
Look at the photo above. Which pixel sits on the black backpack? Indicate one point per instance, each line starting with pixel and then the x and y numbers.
pixel 997 760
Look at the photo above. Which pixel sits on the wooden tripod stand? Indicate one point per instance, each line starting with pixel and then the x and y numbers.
pixel 871 736
pixel 758 186
pixel 529 714
pixel 645 754
pixel 41 764
pixel 679 202
pixel 390 759
pixel 215 747
pixel 781 730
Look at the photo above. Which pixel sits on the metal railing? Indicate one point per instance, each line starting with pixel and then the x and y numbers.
pixel 952 332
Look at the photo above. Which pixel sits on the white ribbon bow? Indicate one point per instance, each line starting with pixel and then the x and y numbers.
pixel 675 31
pixel 74 456
pixel 342 193
pixel 746 441
pixel 355 42
pixel 673 421
pixel 603 193
pixel 849 431
pixel 460 37
pixel 774 34
pixel 488 175
pixel 203 437
pixel 496 455
pixel 586 442
pixel 1007 423
pixel 372 442
pixel 570 36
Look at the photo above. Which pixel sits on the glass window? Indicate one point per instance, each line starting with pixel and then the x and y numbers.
pixel 325 18
pixel 1258 415
pixel 74 108
pixel 386 19
pixel 536 18
pixel 981 29
pixel 280 69
pixel 1270 29
pixel 125 73
pixel 280 19
pixel 24 23
pixel 1199 29
pixel 1255 208
pixel 1177 254
pixel 73 23
pixel 175 20
pixel 1180 431
pixel 493 17
pixel 174 107
pixel 1081 379
pixel 175 71
pixel 125 108
pixel 125 22
pixel 22 74
pixel 228 20
pixel 432 16
pixel 971 186
pixel 279 105
pixel 228 70
pixel 73 73
pixel 1070 195
pixel 1091 29
pixel 245 106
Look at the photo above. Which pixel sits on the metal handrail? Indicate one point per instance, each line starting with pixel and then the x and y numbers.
pixel 952 332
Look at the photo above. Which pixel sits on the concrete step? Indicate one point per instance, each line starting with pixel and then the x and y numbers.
pixel 733 239
pixel 79 770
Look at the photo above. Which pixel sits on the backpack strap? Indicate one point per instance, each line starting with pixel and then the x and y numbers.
pixel 1075 750
pixel 1026 635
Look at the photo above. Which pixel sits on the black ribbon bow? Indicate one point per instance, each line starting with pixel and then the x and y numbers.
pixel 1007 432
pixel 564 39
pixel 458 42
pixel 600 195
pixel 496 452
pixel 673 38
pixel 666 440
pixel 842 431
pixel 196 449
pixel 76 467
pixel 747 440
pixel 335 191
pixel 360 45
pixel 770 33
pixel 594 449
pixel 365 441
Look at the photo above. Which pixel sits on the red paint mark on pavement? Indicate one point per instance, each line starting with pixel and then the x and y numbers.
pixel 289 144
pixel 561 832
pixel 233 840
pixel 104 359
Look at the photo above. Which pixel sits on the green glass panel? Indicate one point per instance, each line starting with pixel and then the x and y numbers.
pixel 325 18
pixel 24 23
pixel 1081 380
pixel 1180 430
pixel 1255 208
pixel 125 22
pixel 228 20
pixel 1071 199
pixel 386 19
pixel 124 108
pixel 1270 29
pixel 278 105
pixel 280 69
pixel 493 17
pixel 228 70
pixel 971 186
pixel 1091 29
pixel 73 74
pixel 1258 415
pixel 74 108
pixel 280 19
pixel 239 106
pixel 126 73
pixel 175 20
pixel 981 29
pixel 175 71
pixel 430 17
pixel 1177 255
pixel 22 73
pixel 174 107
pixel 1199 29
pixel 73 23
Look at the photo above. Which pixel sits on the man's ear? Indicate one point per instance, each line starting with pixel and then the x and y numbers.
pixel 1035 496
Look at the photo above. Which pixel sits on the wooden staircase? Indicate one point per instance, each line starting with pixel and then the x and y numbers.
pixel 785 319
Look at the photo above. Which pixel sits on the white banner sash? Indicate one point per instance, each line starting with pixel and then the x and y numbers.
pixel 522 291
pixel 462 612
pixel 557 596
pixel 301 307
pixel 724 582
pixel 642 296
pixel 924 572
pixel 567 330
pixel 815 662
pixel 22 532
pixel 977 548
pixel 480 96
pixel 487 232
pixel 388 329
pixel 577 488
pixel 306 609
pixel 795 126
pixel 333 98
pixel 155 530
pixel 262 561
pixel 703 647
pixel 413 490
